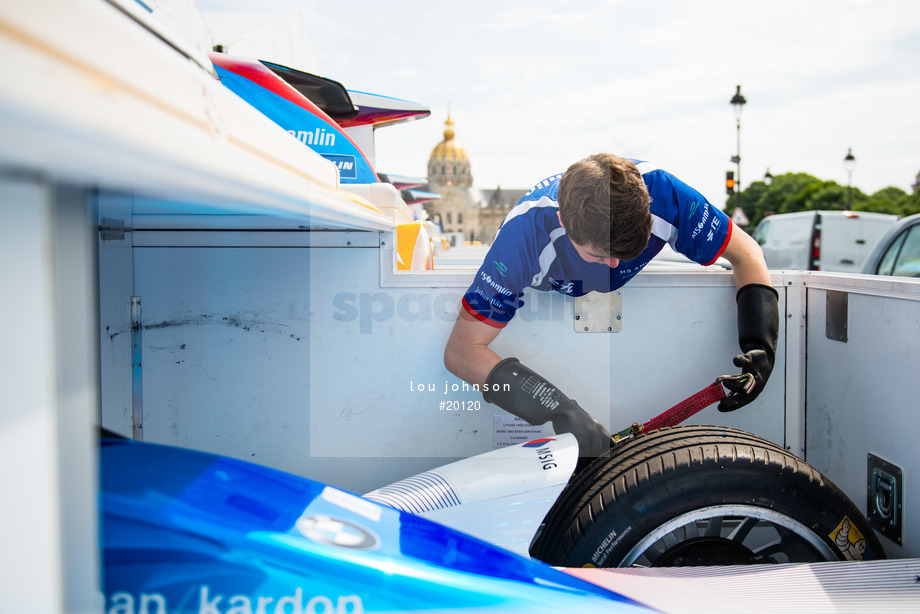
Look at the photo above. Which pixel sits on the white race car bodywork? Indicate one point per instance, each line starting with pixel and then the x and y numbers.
pixel 501 496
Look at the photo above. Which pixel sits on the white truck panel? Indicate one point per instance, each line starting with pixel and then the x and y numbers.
pixel 297 358
pixel 862 393
pixel 300 354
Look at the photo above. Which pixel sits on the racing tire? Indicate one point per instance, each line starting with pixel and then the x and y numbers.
pixel 701 495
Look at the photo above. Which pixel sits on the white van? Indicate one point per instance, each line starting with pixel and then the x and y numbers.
pixel 820 240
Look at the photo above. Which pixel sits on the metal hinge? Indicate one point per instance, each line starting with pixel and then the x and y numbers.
pixel 112 230
pixel 836 315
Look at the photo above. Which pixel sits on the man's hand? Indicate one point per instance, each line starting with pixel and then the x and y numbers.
pixel 525 394
pixel 593 438
pixel 759 364
pixel 758 333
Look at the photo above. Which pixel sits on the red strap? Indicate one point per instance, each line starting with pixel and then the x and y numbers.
pixel 687 407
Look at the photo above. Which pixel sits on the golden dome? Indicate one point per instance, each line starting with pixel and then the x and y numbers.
pixel 449 149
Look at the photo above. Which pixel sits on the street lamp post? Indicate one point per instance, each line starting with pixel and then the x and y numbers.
pixel 849 165
pixel 737 102
pixel 767 179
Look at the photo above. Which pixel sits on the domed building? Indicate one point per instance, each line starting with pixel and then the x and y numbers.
pixel 449 164
pixel 463 208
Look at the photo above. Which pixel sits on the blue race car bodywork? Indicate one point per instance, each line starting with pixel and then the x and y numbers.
pixel 185 531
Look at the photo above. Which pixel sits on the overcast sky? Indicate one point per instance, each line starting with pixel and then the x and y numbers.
pixel 533 86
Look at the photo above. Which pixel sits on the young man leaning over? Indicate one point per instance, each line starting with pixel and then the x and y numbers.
pixel 593 228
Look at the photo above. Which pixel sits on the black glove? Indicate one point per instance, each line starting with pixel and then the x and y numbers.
pixel 758 332
pixel 537 401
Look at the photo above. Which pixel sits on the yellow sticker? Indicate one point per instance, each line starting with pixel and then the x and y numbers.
pixel 849 540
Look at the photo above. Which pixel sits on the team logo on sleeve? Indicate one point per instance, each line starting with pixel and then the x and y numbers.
pixel 702 224
pixel 501 267
pixel 712 230
pixel 495 285
pixel 561 287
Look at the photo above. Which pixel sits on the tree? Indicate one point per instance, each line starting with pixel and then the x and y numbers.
pixel 885 200
pixel 892 200
pixel 827 196
pixel 753 202
pixel 791 192
pixel 758 200
pixel 910 204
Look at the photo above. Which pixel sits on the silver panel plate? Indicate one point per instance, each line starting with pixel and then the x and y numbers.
pixel 599 312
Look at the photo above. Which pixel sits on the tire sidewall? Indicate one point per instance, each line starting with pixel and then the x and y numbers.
pixel 651 504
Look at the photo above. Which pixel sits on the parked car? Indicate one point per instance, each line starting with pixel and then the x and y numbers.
pixel 820 240
pixel 898 251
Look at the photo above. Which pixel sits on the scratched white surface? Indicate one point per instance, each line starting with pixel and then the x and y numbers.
pixel 297 358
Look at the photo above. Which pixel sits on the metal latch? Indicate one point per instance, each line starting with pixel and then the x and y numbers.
pixel 884 497
pixel 599 312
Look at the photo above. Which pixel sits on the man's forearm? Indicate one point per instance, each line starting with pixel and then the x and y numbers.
pixel 467 354
pixel 750 270
pixel 470 364
pixel 746 257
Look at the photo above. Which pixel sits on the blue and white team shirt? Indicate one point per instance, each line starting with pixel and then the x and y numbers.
pixel 532 249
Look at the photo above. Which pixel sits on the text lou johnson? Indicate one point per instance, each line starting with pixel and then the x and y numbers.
pixel 458 387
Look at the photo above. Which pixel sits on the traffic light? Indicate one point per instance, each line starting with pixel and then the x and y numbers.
pixel 729 182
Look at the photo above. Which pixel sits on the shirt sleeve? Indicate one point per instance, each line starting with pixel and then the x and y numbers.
pixel 496 292
pixel 702 230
